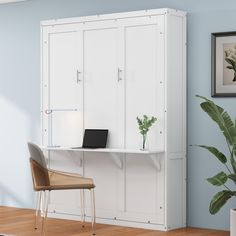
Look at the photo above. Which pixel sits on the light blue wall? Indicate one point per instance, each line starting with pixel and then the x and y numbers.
pixel 20 94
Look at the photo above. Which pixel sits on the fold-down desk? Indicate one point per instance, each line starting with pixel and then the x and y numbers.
pixel 152 154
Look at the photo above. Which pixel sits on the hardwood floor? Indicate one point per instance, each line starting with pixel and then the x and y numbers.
pixel 21 222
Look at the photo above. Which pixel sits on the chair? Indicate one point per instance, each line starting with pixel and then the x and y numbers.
pixel 46 180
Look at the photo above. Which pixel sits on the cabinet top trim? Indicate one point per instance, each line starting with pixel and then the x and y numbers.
pixel 113 16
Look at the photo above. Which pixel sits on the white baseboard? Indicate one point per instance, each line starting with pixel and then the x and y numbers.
pixel 109 221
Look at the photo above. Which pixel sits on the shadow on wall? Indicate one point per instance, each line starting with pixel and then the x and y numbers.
pixel 8 197
pixel 19 101
pixel 17 127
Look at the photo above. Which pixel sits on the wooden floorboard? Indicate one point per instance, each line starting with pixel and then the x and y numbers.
pixel 15 221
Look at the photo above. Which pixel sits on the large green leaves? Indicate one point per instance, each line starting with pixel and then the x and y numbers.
pixel 232 160
pixel 222 119
pixel 219 200
pixel 219 155
pixel 218 179
pixel 233 164
pixel 228 128
pixel 232 177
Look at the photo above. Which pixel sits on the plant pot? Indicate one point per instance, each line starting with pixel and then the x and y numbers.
pixel 144 143
pixel 233 222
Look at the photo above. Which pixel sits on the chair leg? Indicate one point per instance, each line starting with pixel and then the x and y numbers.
pixel 93 216
pixel 82 207
pixel 37 211
pixel 46 201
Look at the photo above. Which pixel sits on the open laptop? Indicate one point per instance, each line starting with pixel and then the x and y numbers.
pixel 94 138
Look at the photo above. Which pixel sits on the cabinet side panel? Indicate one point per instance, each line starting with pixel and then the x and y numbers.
pixel 176 192
pixel 176 121
pixel 44 84
pixel 175 86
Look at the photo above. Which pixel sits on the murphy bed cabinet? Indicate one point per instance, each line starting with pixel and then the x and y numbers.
pixel 102 72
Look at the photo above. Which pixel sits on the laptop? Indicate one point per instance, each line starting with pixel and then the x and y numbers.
pixel 94 138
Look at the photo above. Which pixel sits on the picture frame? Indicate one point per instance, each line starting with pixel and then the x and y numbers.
pixel 223 63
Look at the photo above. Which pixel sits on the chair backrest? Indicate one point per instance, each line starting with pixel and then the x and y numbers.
pixel 37 154
pixel 38 168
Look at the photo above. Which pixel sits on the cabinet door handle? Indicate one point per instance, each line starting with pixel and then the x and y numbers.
pixel 118 74
pixel 78 76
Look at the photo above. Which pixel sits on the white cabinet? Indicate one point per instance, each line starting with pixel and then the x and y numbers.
pixel 63 60
pixel 144 77
pixel 102 72
pixel 101 85
pixel 62 98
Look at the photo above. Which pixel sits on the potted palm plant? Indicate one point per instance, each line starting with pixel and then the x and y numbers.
pixel 228 128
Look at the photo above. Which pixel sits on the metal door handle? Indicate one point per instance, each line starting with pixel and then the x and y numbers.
pixel 78 76
pixel 118 74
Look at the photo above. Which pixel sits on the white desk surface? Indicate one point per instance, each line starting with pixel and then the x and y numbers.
pixel 107 150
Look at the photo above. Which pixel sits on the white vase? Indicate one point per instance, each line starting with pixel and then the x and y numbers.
pixel 233 222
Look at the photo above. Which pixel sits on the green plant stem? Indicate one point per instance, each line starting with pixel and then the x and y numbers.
pixel 231 151
pixel 228 169
pixel 228 188
pixel 144 141
pixel 231 154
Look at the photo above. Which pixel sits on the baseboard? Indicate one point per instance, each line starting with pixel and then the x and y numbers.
pixel 117 222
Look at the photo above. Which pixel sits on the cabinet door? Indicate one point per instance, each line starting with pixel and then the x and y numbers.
pixel 102 108
pixel 144 74
pixel 62 87
pixel 144 93
pixel 64 71
pixel 102 82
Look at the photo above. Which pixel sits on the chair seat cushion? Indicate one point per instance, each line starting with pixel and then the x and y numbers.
pixel 61 180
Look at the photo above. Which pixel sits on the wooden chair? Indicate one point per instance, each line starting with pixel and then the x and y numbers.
pixel 46 180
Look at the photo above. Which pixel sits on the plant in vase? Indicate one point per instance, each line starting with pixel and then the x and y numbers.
pixel 144 125
pixel 227 127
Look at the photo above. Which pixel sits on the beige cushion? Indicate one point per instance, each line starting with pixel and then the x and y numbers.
pixel 62 180
pixel 47 179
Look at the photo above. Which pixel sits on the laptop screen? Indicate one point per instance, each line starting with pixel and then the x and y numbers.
pixel 95 138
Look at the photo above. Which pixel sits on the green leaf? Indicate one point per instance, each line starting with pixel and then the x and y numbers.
pixel 218 179
pixel 232 177
pixel 234 150
pixel 230 61
pixel 232 159
pixel 219 155
pixel 233 164
pixel 219 200
pixel 230 67
pixel 145 123
pixel 222 118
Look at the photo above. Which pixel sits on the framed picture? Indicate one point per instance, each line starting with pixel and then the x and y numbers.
pixel 223 64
